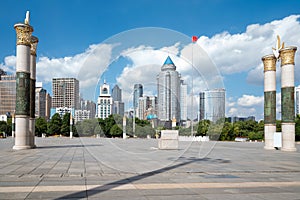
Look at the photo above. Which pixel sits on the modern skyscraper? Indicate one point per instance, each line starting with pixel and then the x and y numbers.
pixel 168 89
pixel 183 101
pixel 105 102
pixel 137 93
pixel 118 105
pixel 7 94
pixel 212 104
pixel 40 100
pixel 116 93
pixel 65 93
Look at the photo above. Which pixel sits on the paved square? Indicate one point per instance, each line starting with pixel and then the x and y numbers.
pixel 101 168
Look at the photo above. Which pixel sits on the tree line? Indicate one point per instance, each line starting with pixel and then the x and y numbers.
pixel 112 126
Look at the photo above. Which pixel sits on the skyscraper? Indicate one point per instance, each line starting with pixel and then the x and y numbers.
pixel 183 101
pixel 116 93
pixel 40 100
pixel 65 93
pixel 118 105
pixel 168 89
pixel 137 93
pixel 212 104
pixel 7 94
pixel 105 102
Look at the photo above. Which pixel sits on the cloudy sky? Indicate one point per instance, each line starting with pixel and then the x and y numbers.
pixel 126 42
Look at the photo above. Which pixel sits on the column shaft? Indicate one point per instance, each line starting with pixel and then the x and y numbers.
pixel 269 100
pixel 287 98
pixel 22 137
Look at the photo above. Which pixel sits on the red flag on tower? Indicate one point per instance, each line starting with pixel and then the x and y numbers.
pixel 194 38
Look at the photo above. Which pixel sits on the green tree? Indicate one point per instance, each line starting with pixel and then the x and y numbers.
pixel 3 127
pixel 54 126
pixel 278 125
pixel 65 127
pixel 227 132
pixel 203 126
pixel 40 126
pixel 116 131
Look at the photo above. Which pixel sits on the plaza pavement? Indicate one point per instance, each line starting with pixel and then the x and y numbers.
pixel 101 168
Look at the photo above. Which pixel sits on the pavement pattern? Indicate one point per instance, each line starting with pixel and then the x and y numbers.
pixel 102 168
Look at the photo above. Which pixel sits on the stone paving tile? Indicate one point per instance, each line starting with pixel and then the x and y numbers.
pixel 88 161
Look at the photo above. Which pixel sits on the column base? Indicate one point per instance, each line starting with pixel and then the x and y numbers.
pixel 269 129
pixel 289 149
pixel 17 147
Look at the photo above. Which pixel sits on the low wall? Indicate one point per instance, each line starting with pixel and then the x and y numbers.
pixel 194 138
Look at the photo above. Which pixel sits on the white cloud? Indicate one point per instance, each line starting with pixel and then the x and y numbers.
pixel 250 100
pixel 235 53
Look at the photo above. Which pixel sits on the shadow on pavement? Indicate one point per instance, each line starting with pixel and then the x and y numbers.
pixel 132 179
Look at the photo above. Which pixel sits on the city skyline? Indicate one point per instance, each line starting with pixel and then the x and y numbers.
pixel 235 40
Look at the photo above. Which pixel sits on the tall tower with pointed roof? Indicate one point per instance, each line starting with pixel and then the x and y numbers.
pixel 168 89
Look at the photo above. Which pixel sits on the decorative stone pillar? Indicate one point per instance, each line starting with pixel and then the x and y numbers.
pixel 269 62
pixel 287 56
pixel 34 41
pixel 22 139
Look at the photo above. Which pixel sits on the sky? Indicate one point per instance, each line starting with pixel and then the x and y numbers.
pixel 126 42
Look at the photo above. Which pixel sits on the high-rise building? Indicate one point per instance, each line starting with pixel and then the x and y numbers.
pixel 116 93
pixel 183 101
pixel 137 93
pixel 147 105
pixel 118 105
pixel 48 106
pixel 65 93
pixel 40 100
pixel 212 104
pixel 168 89
pixel 105 102
pixel 88 106
pixel 297 98
pixel 118 108
pixel 7 94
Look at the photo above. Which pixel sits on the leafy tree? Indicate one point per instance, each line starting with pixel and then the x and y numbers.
pixel 116 131
pixel 54 126
pixel 88 127
pixel 227 132
pixel 3 127
pixel 203 126
pixel 40 126
pixel 65 127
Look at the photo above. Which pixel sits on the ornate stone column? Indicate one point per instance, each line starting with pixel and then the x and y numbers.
pixel 269 62
pixel 34 42
pixel 287 56
pixel 22 139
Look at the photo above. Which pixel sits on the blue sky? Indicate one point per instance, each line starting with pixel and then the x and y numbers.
pixel 67 31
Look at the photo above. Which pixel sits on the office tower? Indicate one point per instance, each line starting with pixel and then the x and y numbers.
pixel 212 104
pixel 137 93
pixel 48 106
pixel 183 101
pixel 118 105
pixel 89 106
pixel 7 94
pixel 116 93
pixel 168 88
pixel 105 102
pixel 40 100
pixel 65 93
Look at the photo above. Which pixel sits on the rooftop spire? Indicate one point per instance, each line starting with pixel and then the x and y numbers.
pixel 168 61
